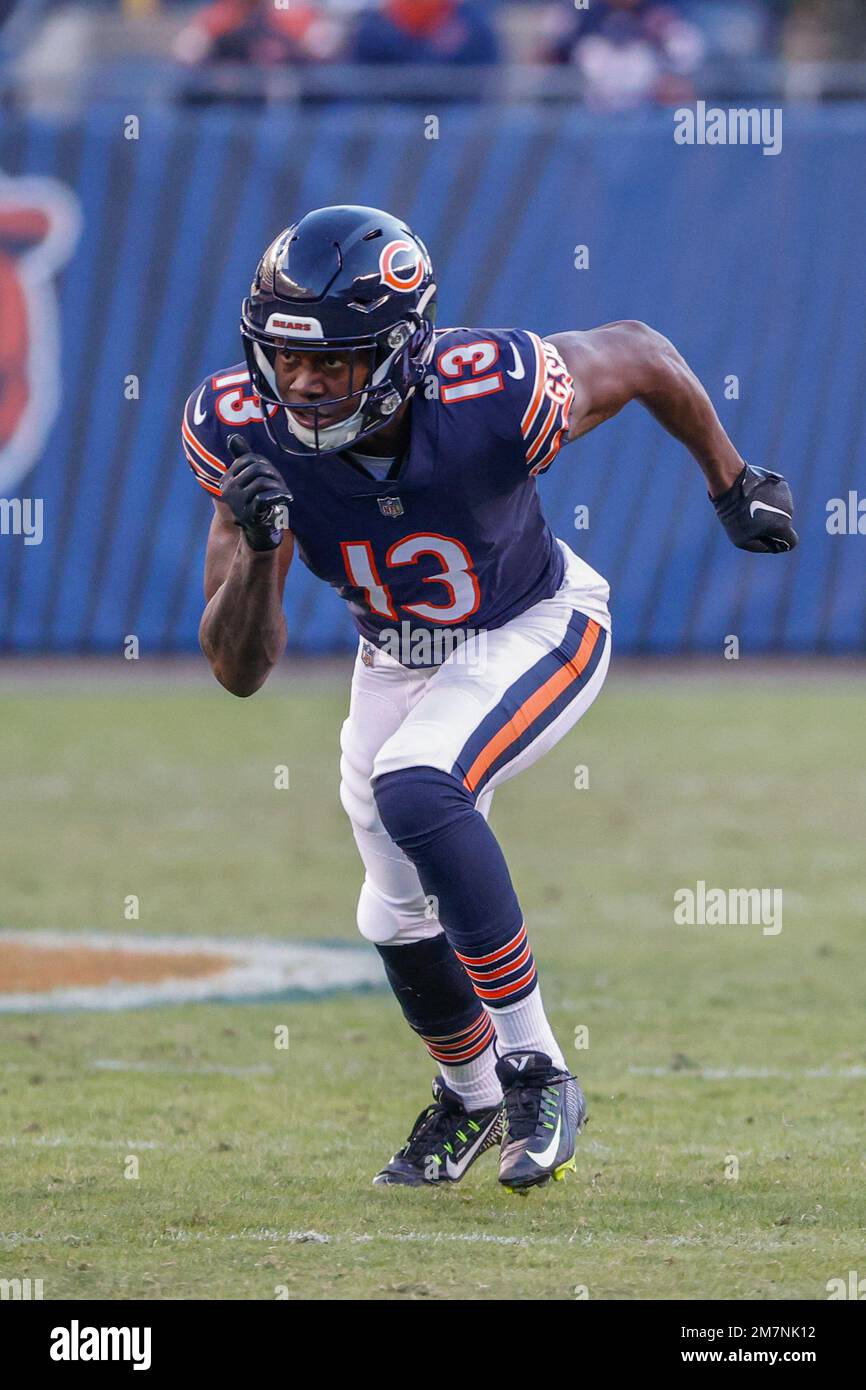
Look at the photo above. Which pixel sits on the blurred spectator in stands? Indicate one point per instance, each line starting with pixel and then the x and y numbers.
pixel 258 32
pixel 826 30
pixel 629 52
pixel 424 31
pixel 738 28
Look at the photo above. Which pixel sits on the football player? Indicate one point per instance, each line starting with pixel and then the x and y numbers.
pixel 400 459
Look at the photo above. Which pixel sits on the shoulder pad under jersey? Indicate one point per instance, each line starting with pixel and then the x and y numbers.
pixel 520 382
pixel 219 407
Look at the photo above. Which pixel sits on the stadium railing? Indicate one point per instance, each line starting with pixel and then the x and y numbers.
pixel 151 79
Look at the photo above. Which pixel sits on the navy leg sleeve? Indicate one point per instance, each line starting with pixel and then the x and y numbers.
pixel 432 817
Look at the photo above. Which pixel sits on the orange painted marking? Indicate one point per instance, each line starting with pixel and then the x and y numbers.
pixel 31 969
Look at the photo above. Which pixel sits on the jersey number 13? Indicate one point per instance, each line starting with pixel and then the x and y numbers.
pixel 457 577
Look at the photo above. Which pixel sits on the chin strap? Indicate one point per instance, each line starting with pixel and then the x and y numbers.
pixel 333 437
pixel 342 432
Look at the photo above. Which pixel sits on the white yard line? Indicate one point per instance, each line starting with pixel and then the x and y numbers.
pixel 66 1141
pixel 359 1238
pixel 298 1237
pixel 167 1069
pixel 154 1068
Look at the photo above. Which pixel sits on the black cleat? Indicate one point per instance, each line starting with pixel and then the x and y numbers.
pixel 445 1141
pixel 545 1111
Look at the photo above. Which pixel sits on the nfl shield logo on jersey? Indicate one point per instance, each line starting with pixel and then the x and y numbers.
pixel 368 653
pixel 390 506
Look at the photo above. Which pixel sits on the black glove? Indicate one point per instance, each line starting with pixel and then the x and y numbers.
pixel 756 511
pixel 255 490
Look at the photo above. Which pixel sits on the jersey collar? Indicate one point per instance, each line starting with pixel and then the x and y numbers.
pixel 415 469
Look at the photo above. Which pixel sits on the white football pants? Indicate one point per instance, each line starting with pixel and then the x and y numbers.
pixel 400 716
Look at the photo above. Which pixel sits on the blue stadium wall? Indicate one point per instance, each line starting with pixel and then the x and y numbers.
pixel 753 265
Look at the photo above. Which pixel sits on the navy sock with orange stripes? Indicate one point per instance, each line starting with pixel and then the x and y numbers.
pixel 433 818
pixel 439 1003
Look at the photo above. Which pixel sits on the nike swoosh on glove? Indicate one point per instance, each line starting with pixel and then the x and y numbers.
pixel 757 510
pixel 256 492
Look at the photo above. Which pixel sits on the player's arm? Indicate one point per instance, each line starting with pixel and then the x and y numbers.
pixel 243 628
pixel 622 362
pixel 628 361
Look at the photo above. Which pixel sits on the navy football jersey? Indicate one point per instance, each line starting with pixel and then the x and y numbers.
pixel 457 539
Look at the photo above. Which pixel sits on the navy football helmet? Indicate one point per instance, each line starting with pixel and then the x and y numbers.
pixel 352 280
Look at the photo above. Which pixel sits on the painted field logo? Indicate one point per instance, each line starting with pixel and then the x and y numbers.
pixel 718 907
pixel 54 970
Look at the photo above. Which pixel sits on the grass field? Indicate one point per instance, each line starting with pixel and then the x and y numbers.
pixel 255 1164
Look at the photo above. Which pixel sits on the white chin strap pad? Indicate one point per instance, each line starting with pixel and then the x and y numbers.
pixel 342 432
pixel 331 437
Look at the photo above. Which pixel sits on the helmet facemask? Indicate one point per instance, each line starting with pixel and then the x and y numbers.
pixel 379 366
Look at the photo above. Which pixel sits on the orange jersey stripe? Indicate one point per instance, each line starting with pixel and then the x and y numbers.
pixel 540 378
pixel 200 476
pixel 559 437
pixel 200 449
pixel 544 432
pixel 207 487
pixel 537 703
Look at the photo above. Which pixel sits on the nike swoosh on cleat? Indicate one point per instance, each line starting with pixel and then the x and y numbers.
pixel 762 507
pixel 547 1155
pixel 456 1170
pixel 198 415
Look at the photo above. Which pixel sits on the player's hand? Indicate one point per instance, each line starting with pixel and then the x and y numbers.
pixel 256 492
pixel 757 510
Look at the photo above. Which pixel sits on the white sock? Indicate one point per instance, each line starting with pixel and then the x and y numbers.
pixel 475 1082
pixel 523 1027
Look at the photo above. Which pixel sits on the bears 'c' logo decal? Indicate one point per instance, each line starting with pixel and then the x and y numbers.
pixel 401 265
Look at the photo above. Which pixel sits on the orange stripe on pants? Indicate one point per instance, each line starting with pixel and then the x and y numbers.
pixel 537 703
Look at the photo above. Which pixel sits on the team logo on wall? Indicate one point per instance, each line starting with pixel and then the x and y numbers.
pixel 401 265
pixel 39 226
